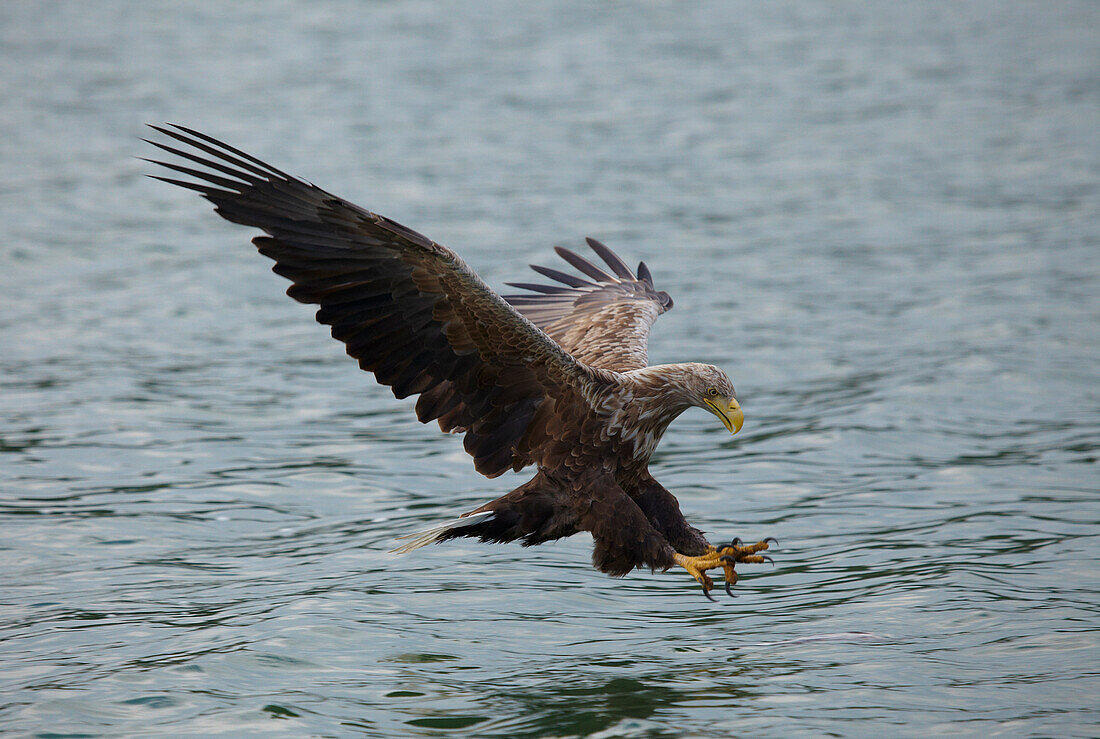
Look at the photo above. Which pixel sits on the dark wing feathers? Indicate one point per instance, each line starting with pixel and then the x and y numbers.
pixel 562 277
pixel 604 323
pixel 408 309
pixel 545 289
pixel 583 265
pixel 617 265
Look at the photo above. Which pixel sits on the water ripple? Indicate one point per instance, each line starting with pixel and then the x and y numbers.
pixel 199 492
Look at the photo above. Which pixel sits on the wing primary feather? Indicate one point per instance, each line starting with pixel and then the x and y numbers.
pixel 209 177
pixel 584 265
pixel 246 178
pixel 231 149
pixel 644 274
pixel 205 190
pixel 222 155
pixel 545 289
pixel 617 265
pixel 554 274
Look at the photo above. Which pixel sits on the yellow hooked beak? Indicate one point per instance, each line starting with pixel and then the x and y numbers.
pixel 731 415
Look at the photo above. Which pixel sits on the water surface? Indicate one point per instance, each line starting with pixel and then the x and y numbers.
pixel 883 220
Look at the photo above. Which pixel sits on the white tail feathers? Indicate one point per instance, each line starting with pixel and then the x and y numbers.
pixel 432 535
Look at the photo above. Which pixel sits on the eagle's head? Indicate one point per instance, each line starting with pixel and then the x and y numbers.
pixel 710 388
pixel 664 391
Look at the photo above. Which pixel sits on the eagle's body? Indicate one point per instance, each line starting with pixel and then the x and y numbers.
pixel 556 378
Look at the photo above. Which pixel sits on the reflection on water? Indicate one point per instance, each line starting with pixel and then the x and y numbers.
pixel 882 221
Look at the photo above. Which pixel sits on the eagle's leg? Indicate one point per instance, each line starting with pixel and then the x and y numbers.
pixel 663 511
pixel 724 556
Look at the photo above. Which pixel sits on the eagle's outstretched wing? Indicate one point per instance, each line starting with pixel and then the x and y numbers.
pixel 603 322
pixel 410 310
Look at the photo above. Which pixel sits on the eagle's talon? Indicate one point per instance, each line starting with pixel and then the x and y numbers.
pixel 744 553
pixel 772 539
pixel 708 595
pixel 726 556
pixel 731 574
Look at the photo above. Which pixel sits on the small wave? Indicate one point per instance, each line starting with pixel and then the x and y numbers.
pixel 846 636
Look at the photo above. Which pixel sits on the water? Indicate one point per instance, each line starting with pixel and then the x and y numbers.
pixel 882 219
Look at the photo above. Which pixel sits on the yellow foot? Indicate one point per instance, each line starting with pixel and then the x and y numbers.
pixel 724 556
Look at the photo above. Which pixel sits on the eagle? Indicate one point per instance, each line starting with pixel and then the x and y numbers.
pixel 556 378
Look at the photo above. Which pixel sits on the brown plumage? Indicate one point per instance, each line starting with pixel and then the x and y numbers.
pixel 556 377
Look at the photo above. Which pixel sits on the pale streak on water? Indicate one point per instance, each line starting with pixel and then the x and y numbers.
pixel 882 218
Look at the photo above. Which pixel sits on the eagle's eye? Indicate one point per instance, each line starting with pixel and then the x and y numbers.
pixel 712 392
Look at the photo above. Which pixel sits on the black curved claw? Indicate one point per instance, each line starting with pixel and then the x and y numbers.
pixel 727 558
pixel 772 539
pixel 707 593
pixel 768 559
pixel 736 542
pixel 728 591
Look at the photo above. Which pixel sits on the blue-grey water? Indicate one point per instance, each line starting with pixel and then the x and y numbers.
pixel 883 219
